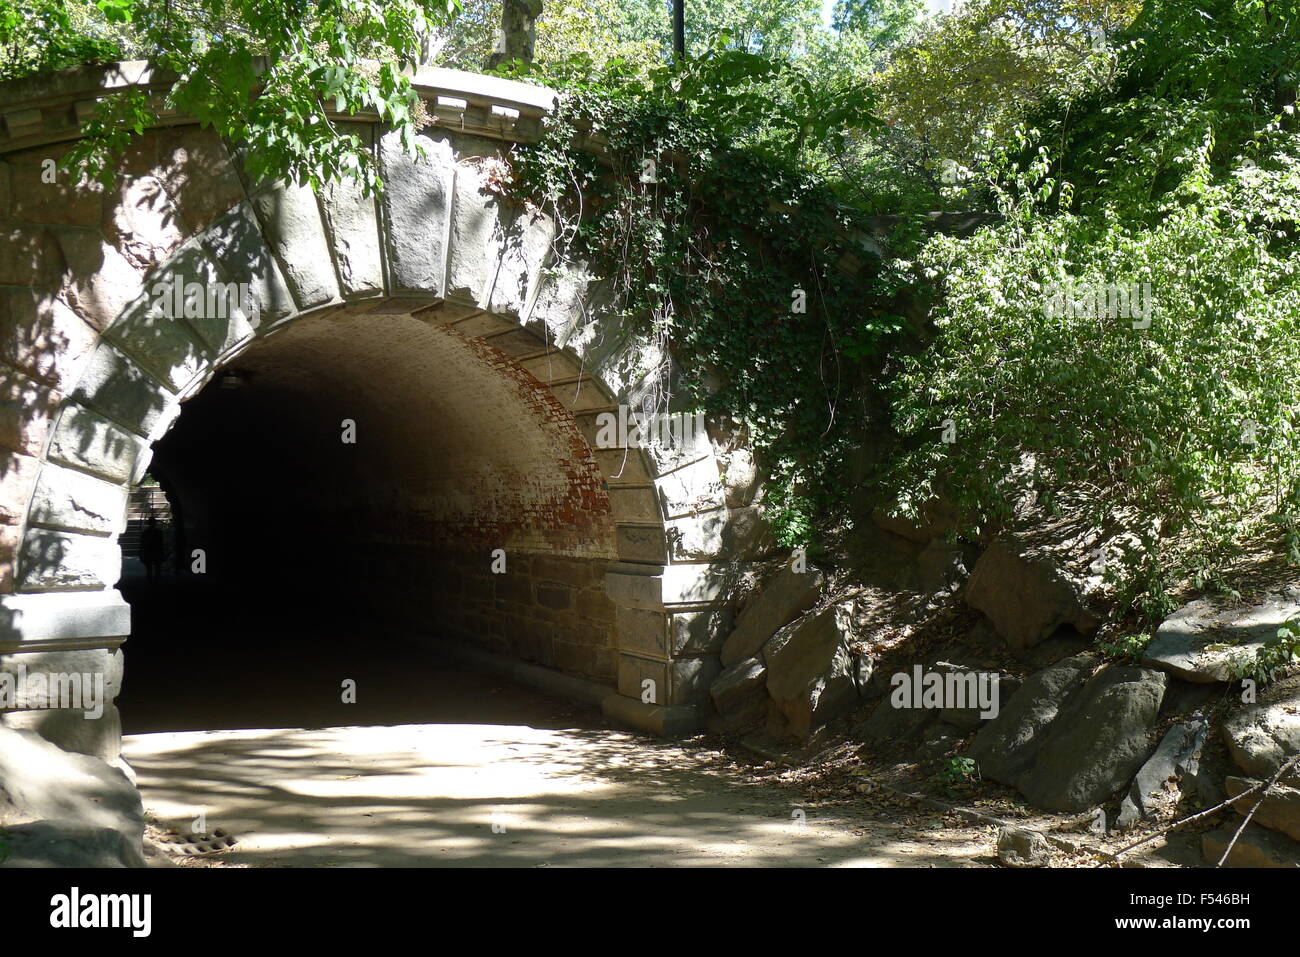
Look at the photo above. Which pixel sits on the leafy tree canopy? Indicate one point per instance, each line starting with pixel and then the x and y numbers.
pixel 256 71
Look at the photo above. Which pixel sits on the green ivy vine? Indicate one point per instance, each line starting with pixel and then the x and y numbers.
pixel 692 189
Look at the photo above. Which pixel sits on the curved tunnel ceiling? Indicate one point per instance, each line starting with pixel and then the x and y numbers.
pixel 454 441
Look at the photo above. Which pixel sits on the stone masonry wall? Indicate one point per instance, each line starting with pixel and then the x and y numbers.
pixel 91 376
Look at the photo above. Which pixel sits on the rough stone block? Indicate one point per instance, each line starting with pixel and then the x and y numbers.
pixel 73 501
pixel 235 242
pixel 51 561
pixel 565 571
pixel 786 596
pixel 352 221
pixel 527 243
pixel 115 386
pixel 140 221
pixel 291 223
pixel 416 202
pixel 27 411
pixel 74 732
pixel 98 281
pixel 106 663
pixel 18 475
pixel 86 440
pixel 30 256
pixel 65 202
pixel 476 236
pixel 9 543
pixel 641 543
pixel 634 672
pixel 41 621
pixel 198 174
pixel 557 597
pixel 643 631
pixel 162 345
pixel 41 336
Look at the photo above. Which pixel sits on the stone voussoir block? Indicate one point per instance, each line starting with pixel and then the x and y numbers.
pixel 53 561
pixel 85 440
pixel 74 501
pixel 123 392
pixel 235 242
pixel 291 223
pixel 352 224
pixel 416 204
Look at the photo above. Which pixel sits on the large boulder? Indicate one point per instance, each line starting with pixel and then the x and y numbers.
pixel 1257 847
pixel 789 594
pixel 1173 767
pixel 935 518
pixel 811 675
pixel 1280 810
pixel 1098 742
pixel 1027 592
pixel 1263 737
pixel 972 715
pixel 1204 640
pixel 63 844
pixel 74 797
pixel 1005 747
pixel 1067 741
pixel 889 725
pixel 740 695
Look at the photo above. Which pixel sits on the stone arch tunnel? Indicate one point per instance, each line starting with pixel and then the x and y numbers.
pixel 392 390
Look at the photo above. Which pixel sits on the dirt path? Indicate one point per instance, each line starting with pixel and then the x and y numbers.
pixel 561 788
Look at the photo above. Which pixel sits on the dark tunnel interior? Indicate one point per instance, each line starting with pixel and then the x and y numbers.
pixel 329 503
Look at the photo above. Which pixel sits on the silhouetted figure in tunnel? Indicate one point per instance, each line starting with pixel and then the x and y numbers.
pixel 151 549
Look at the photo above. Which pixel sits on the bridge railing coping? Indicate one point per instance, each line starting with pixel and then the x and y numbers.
pixel 52 107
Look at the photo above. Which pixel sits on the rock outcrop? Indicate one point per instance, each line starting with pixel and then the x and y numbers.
pixel 1262 737
pixel 1204 641
pixel 1027 592
pixel 812 677
pixel 781 600
pixel 1067 741
pixel 1172 769
pixel 65 810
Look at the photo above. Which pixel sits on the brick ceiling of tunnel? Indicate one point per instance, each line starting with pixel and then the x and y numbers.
pixel 446 427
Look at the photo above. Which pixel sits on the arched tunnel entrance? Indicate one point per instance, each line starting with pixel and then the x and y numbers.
pixel 392 447
pixel 347 494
